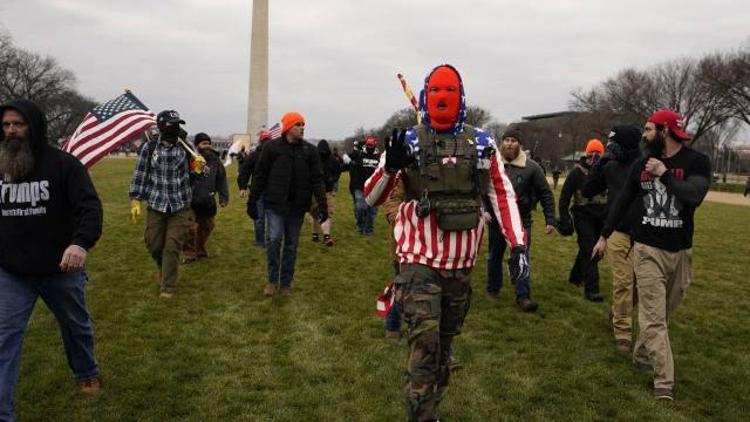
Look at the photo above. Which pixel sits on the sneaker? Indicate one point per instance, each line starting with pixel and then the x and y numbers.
pixel 315 237
pixel 166 295
pixel 594 297
pixel 270 290
pixel 663 394
pixel 286 291
pixel 90 386
pixel 328 241
pixel 623 346
pixel 393 335
pixel 527 305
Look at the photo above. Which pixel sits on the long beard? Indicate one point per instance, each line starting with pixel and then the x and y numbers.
pixel 16 159
pixel 654 148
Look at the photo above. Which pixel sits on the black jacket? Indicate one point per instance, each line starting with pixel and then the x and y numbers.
pixel 611 178
pixel 330 165
pixel 587 208
pixel 530 186
pixel 363 165
pixel 205 186
pixel 247 167
pixel 50 209
pixel 287 176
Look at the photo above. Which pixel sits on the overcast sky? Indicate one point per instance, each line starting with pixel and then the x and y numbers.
pixel 336 61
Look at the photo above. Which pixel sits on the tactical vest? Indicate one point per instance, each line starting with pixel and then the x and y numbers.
pixel 579 200
pixel 446 179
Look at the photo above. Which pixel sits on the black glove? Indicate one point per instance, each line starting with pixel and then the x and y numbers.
pixel 565 227
pixel 518 264
pixel 396 152
pixel 252 209
pixel 322 214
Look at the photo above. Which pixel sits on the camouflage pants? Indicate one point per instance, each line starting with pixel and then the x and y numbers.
pixel 434 305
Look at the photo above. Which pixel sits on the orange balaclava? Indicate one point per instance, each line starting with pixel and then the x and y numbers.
pixel 443 98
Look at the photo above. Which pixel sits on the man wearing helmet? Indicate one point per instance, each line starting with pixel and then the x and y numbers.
pixel 451 177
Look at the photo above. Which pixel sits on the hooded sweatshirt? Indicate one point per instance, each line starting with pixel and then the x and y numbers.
pixel 55 206
pixel 419 240
pixel 329 164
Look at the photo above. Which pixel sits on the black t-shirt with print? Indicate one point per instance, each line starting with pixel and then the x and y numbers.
pixel 668 203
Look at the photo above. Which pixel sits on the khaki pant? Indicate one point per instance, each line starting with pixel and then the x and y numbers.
pixel 195 245
pixel 662 277
pixel 164 236
pixel 325 227
pixel 623 285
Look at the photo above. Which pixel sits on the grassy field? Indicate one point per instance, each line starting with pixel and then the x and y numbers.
pixel 219 350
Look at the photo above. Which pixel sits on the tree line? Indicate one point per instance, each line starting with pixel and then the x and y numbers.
pixel 40 78
pixel 712 92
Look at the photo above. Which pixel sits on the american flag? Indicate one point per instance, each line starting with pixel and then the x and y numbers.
pixel 107 126
pixel 275 131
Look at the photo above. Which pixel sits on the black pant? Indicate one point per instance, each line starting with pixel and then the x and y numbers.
pixel 586 270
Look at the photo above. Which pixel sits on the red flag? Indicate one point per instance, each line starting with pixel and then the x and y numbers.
pixel 107 126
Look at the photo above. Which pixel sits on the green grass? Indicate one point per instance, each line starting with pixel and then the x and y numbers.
pixel 219 350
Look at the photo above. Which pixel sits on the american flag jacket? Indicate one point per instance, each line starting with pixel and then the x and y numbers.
pixel 420 241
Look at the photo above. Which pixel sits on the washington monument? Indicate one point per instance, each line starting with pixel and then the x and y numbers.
pixel 257 103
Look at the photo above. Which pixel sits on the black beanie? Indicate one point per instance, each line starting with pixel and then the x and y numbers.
pixel 200 137
pixel 512 132
pixel 626 136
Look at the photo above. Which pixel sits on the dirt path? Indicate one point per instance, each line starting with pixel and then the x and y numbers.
pixel 721 197
pixel 728 198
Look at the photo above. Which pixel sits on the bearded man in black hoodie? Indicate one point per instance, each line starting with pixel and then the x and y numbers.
pixel 50 216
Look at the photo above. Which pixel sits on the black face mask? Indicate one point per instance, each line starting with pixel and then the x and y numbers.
pixel 170 132
pixel 370 150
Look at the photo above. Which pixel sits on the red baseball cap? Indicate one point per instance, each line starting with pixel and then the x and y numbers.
pixel 672 120
pixel 264 136
pixel 371 141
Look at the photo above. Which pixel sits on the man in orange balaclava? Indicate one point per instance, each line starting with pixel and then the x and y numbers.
pixel 452 178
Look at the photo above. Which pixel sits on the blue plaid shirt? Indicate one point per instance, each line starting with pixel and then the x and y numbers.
pixel 162 177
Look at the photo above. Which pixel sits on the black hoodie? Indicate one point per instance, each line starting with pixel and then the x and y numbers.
pixel 329 164
pixel 51 208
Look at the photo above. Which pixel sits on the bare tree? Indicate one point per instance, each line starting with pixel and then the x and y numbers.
pixel 41 79
pixel 729 76
pixel 679 85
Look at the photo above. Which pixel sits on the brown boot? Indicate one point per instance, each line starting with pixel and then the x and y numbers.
pixel 90 386
pixel 270 290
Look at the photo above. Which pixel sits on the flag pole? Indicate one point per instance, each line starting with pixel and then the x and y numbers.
pixel 410 96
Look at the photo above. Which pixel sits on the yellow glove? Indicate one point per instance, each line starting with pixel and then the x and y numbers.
pixel 135 210
pixel 198 164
